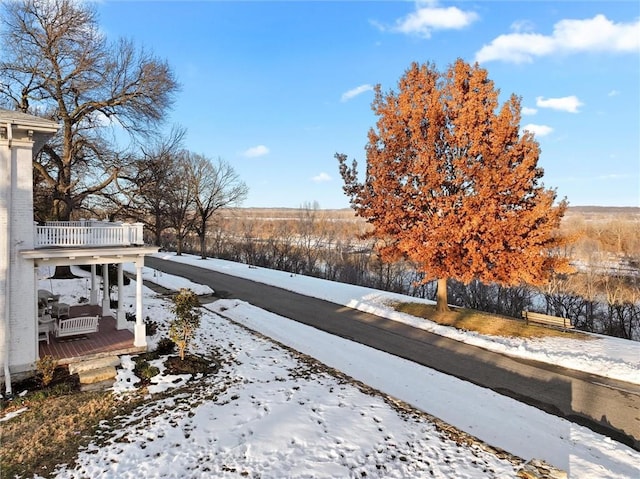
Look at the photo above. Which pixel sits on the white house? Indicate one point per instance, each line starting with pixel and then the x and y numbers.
pixel 25 246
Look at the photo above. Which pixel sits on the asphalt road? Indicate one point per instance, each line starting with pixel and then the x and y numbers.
pixel 604 405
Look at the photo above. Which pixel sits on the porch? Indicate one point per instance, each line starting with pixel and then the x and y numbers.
pixel 104 256
pixel 108 341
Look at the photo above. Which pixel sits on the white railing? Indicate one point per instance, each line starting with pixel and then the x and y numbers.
pixel 88 233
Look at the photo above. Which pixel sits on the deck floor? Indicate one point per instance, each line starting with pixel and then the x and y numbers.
pixel 107 341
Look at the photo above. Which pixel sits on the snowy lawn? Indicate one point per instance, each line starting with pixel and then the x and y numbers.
pixel 271 413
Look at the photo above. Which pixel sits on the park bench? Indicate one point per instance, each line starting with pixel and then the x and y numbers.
pixel 531 317
pixel 76 326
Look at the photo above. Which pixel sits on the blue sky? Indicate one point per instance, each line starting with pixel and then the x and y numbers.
pixel 277 88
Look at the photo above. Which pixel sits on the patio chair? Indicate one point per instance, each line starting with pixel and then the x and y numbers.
pixel 46 324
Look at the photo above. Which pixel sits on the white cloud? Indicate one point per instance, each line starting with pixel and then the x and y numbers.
pixel 538 130
pixel 613 93
pixel 614 176
pixel 598 34
pixel 569 36
pixel 321 178
pixel 522 26
pixel 426 19
pixel 346 96
pixel 516 48
pixel 529 111
pixel 256 151
pixel 567 103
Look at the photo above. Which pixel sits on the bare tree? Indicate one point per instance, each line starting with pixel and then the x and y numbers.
pixel 149 180
pixel 310 234
pixel 214 186
pixel 180 204
pixel 620 292
pixel 219 238
pixel 280 245
pixel 57 63
pixel 248 246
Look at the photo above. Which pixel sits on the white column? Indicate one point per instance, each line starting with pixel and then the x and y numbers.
pixel 106 302
pixel 93 299
pixel 121 320
pixel 141 330
pixel 35 300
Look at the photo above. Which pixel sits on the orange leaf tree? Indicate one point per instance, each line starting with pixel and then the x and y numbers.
pixel 454 185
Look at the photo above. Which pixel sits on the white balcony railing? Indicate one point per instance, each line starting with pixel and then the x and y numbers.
pixel 88 233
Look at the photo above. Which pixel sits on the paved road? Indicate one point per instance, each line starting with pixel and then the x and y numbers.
pixel 607 406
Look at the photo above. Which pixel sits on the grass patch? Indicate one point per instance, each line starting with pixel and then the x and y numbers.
pixel 53 429
pixel 483 323
pixel 60 420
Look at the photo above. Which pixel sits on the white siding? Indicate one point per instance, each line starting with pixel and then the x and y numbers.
pixel 22 289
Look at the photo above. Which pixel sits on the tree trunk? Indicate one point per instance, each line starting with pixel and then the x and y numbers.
pixel 158 227
pixel 63 213
pixel 203 247
pixel 442 300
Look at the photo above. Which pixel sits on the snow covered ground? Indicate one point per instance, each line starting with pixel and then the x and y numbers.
pixel 271 413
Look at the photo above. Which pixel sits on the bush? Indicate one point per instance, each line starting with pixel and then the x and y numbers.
pixel 183 327
pixel 165 346
pixel 46 367
pixel 145 371
pixel 152 326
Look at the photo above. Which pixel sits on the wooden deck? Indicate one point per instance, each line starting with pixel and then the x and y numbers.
pixel 106 342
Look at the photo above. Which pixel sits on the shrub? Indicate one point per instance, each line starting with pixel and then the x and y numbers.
pixel 183 327
pixel 145 371
pixel 165 346
pixel 46 367
pixel 152 326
